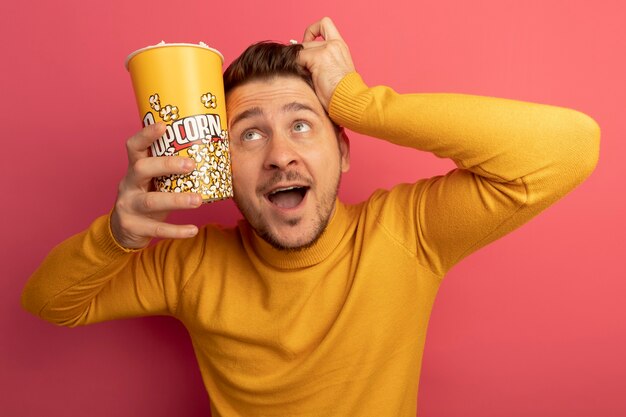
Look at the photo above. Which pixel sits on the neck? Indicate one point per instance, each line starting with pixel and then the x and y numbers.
pixel 301 257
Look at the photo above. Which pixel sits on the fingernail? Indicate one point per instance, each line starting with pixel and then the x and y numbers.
pixel 195 200
pixel 187 164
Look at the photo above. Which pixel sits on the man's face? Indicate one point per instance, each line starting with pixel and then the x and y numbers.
pixel 287 160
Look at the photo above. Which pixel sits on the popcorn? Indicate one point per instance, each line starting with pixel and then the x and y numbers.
pixel 155 103
pixel 210 179
pixel 169 113
pixel 209 100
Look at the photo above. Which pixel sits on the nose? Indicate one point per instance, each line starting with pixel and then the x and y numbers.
pixel 280 153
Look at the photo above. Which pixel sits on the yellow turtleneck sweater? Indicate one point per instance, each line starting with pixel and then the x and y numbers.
pixel 337 329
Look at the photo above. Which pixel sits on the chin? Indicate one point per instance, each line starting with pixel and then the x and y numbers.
pixel 296 244
pixel 295 234
pixel 294 238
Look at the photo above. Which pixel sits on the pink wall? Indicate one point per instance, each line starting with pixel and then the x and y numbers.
pixel 533 325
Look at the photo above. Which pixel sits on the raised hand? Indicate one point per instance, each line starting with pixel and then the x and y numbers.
pixel 327 59
pixel 139 212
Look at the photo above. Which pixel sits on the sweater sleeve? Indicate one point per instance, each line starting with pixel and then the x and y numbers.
pixel 514 159
pixel 89 278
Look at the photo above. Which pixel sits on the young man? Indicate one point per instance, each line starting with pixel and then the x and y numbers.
pixel 309 306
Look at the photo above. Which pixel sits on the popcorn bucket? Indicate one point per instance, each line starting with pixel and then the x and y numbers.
pixel 181 84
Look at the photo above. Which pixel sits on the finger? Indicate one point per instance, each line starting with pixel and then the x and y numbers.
pixel 317 52
pixel 156 229
pixel 313 44
pixel 324 28
pixel 158 202
pixel 143 170
pixel 137 146
pixel 333 55
pixel 136 231
pixel 306 58
pixel 309 53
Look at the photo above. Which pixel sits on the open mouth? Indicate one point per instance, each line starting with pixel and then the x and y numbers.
pixel 287 197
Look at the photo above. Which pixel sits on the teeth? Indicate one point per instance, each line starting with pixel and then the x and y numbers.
pixel 284 189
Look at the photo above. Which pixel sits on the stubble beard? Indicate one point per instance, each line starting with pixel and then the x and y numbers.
pixel 323 212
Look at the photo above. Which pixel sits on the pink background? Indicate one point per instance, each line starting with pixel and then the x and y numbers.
pixel 533 325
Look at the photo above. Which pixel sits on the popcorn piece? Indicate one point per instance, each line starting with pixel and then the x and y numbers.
pixel 155 103
pixel 209 100
pixel 174 113
pixel 168 113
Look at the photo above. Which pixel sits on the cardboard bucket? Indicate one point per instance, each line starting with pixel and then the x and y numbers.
pixel 182 85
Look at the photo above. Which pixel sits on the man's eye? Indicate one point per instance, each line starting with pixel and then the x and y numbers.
pixel 251 135
pixel 301 127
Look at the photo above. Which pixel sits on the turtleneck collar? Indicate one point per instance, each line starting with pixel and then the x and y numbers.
pixel 285 259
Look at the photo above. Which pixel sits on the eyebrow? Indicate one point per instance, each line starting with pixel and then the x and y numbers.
pixel 294 106
pixel 251 112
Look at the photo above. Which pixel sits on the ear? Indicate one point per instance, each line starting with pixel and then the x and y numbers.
pixel 344 148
